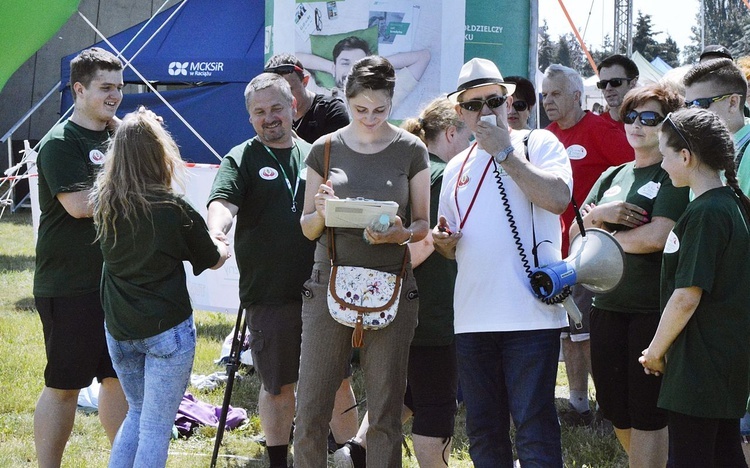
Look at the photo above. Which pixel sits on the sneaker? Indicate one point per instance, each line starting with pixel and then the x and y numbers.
pixel 351 455
pixel 572 418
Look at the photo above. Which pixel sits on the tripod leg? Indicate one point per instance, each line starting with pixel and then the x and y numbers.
pixel 233 363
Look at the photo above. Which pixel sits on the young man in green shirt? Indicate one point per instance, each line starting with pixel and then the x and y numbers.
pixel 69 262
pixel 720 86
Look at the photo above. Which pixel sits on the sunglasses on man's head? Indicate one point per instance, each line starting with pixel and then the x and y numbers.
pixel 705 103
pixel 475 105
pixel 647 118
pixel 286 69
pixel 614 82
pixel 520 106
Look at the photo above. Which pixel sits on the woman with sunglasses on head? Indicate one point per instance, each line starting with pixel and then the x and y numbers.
pixel 524 99
pixel 701 346
pixel 373 159
pixel 637 203
pixel 146 230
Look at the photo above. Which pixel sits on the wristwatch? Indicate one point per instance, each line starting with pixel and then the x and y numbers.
pixel 503 155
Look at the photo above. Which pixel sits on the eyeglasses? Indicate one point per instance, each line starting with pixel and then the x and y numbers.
pixel 614 82
pixel 520 106
pixel 286 69
pixel 475 105
pixel 705 103
pixel 647 118
pixel 669 120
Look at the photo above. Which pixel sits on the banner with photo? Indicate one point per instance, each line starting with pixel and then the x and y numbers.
pixel 426 40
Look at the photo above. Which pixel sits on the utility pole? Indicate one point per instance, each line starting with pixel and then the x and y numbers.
pixel 623 40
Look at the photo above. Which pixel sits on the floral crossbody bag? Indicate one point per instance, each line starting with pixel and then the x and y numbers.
pixel 359 297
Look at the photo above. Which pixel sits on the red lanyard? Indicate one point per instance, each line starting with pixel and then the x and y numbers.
pixel 476 192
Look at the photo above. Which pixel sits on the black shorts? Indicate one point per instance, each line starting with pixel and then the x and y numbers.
pixel 582 297
pixel 626 395
pixel 431 389
pixel 275 339
pixel 74 341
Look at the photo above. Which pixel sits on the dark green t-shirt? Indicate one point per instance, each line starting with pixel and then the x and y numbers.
pixel 708 364
pixel 273 256
pixel 650 188
pixel 143 279
pixel 436 279
pixel 68 260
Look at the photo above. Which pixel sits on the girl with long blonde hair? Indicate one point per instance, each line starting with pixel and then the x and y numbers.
pixel 146 230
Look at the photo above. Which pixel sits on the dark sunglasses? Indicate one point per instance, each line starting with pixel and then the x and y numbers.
pixel 287 69
pixel 705 103
pixel 475 105
pixel 647 118
pixel 520 106
pixel 614 82
pixel 671 123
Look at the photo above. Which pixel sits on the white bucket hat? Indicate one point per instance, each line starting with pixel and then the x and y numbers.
pixel 479 72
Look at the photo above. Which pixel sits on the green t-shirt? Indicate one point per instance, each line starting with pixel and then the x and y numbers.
pixel 650 188
pixel 68 260
pixel 273 256
pixel 436 279
pixel 143 279
pixel 708 364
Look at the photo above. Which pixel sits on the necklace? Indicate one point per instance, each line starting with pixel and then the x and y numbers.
pixel 292 192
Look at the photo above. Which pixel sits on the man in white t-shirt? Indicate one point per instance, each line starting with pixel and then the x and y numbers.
pixel 507 340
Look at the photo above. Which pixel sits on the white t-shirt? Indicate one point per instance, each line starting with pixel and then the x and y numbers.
pixel 493 292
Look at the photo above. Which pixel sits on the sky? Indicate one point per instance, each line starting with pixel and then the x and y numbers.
pixel 668 16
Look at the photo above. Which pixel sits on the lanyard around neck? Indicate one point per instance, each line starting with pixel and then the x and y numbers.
pixel 292 192
pixel 462 221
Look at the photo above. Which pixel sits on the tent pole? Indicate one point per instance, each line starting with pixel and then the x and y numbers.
pixel 153 89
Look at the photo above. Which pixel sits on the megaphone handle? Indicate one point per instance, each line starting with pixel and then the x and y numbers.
pixel 572 309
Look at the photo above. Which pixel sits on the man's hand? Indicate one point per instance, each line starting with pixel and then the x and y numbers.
pixel 444 240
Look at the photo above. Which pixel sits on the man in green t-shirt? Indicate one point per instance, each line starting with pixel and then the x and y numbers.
pixel 261 182
pixel 69 261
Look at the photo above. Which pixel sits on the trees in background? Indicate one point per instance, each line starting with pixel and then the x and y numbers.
pixel 726 23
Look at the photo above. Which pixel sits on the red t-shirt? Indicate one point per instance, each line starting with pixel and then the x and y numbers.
pixel 618 123
pixel 593 145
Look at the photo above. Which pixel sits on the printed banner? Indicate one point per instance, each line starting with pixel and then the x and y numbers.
pixel 426 40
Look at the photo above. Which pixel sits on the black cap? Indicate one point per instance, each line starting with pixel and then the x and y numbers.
pixel 716 51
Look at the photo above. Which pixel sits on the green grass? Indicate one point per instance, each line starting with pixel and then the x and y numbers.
pixel 21 378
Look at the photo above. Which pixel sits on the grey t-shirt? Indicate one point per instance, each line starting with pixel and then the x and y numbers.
pixel 380 176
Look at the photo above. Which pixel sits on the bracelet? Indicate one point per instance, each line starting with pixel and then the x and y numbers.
pixel 411 234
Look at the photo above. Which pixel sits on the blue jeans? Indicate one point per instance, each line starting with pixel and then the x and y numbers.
pixel 504 375
pixel 154 373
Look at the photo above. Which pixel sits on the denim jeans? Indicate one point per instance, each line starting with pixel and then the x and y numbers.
pixel 154 373
pixel 504 375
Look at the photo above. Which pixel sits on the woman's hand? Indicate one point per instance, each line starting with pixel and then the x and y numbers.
pixel 325 191
pixel 652 364
pixel 395 234
pixel 617 212
pixel 586 209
